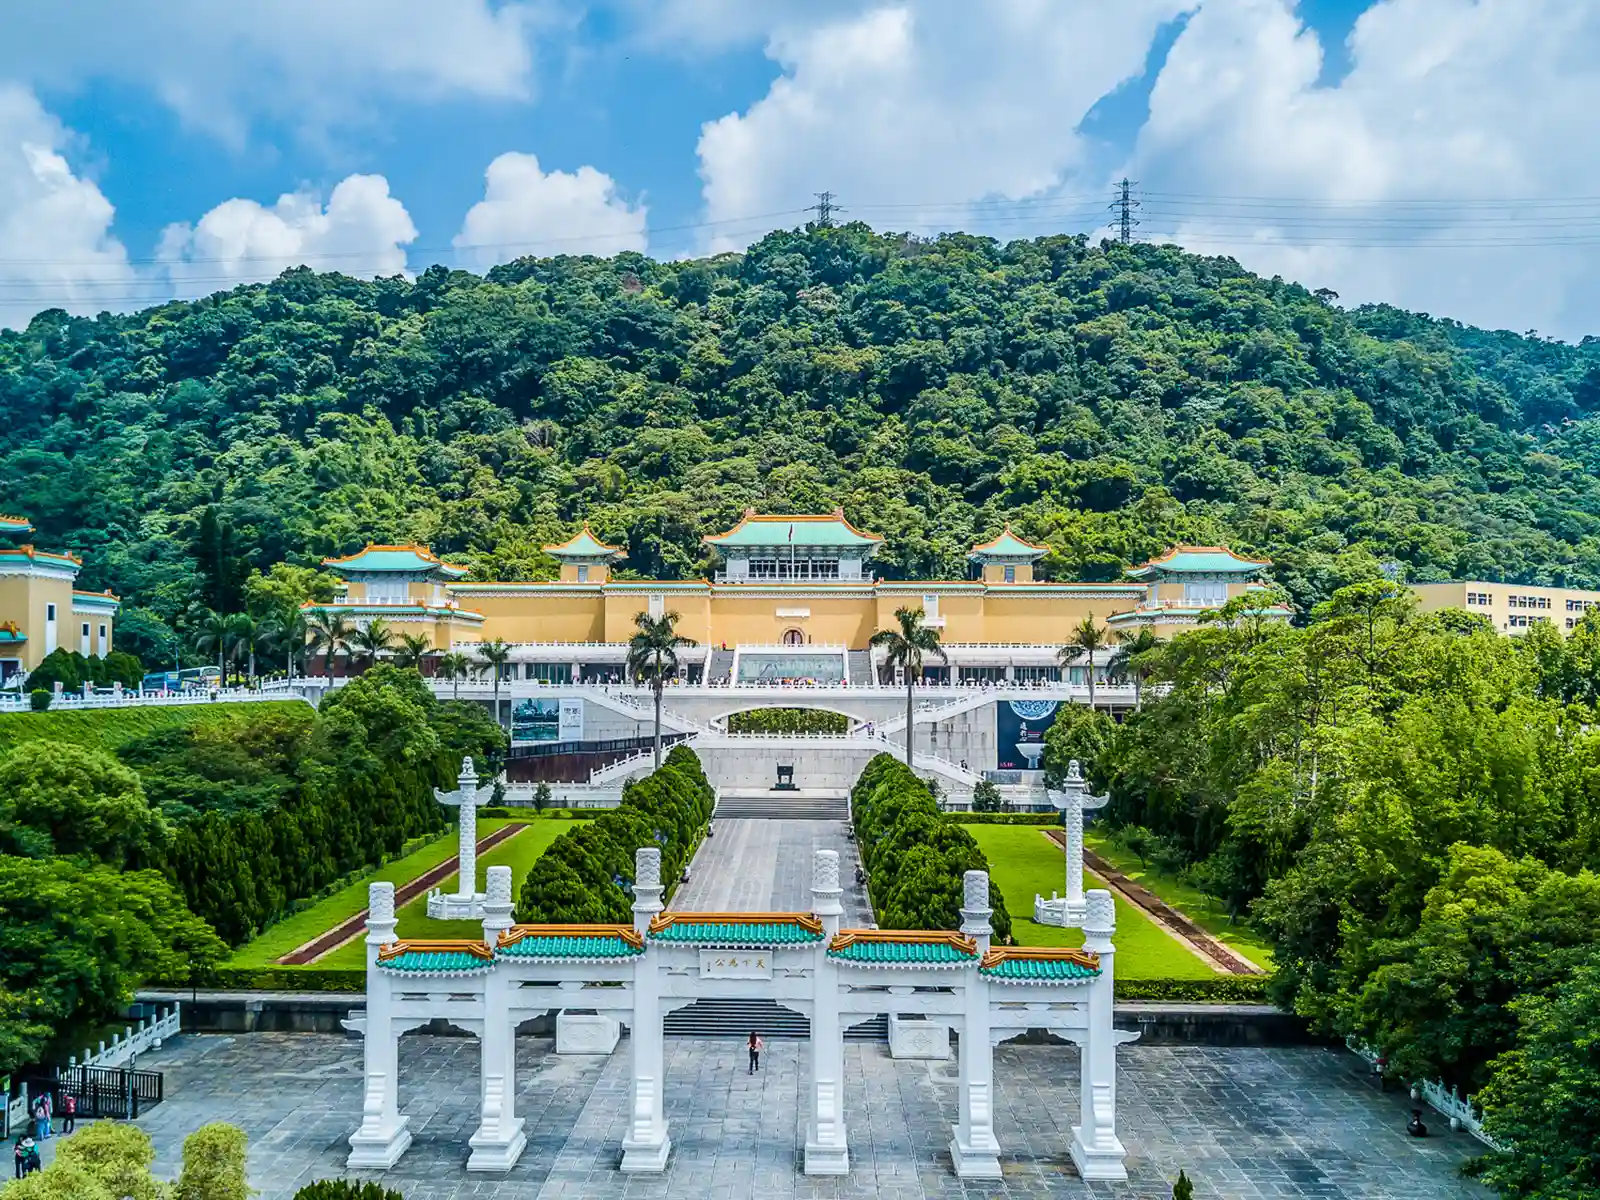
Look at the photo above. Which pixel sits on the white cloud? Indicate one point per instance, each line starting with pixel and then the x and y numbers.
pixel 362 230
pixel 309 61
pixel 923 109
pixel 56 247
pixel 1450 108
pixel 526 210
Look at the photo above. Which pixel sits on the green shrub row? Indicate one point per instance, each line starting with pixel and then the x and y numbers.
pixel 914 854
pixel 112 728
pixel 281 979
pixel 1005 818
pixel 788 720
pixel 581 878
pixel 346 1189
pixel 1222 989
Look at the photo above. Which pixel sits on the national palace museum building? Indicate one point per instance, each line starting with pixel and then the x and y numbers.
pixel 40 609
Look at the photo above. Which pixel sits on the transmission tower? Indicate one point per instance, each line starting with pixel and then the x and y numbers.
pixel 1124 206
pixel 825 208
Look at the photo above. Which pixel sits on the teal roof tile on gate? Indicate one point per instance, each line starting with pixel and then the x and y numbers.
pixel 414 962
pixel 1040 970
pixel 902 953
pixel 736 929
pixel 560 946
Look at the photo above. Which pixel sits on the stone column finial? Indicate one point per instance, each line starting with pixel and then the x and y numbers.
pixel 825 890
pixel 468 779
pixel 646 885
pixel 497 904
pixel 380 913
pixel 975 910
pixel 1099 916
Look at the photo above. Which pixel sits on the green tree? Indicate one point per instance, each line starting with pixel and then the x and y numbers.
pixel 1088 639
pixel 1182 1189
pixel 106 1160
pixel 493 656
pixel 905 648
pixel 214 1164
pixel 346 1189
pixel 986 797
pixel 213 636
pixel 62 799
pixel 373 640
pixel 653 658
pixel 247 636
pixel 330 634
pixel 1130 660
pixel 412 649
pixel 454 665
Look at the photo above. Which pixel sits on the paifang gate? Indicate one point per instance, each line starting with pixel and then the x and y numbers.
pixel 837 977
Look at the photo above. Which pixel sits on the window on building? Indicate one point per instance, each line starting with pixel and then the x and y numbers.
pixel 386 591
pixel 102 639
pixel 85 634
pixel 1011 574
pixel 1205 592
pixel 49 612
pixel 930 608
pixel 583 574
pixel 658 606
pixel 1037 674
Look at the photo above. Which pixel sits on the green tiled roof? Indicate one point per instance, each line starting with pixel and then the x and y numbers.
pixel 1007 545
pixel 419 961
pixel 95 600
pixel 14 524
pixel 793 531
pixel 8 638
pixel 1191 559
pixel 394 558
pixel 584 545
pixel 1044 970
pixel 901 953
pixel 547 946
pixel 731 933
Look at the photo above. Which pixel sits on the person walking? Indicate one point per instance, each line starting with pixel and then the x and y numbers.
pixel 756 1045
pixel 20 1157
pixel 48 1103
pixel 69 1113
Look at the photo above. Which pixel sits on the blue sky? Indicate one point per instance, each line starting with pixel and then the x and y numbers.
pixel 1382 147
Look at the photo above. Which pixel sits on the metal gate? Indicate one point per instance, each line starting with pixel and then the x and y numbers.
pixel 101 1091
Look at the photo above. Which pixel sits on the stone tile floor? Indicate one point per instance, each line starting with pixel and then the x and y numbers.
pixel 1244 1122
pixel 765 866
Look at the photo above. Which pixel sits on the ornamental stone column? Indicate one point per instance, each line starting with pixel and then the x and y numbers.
pixel 383 1136
pixel 1095 1148
pixel 1073 800
pixel 827 1147
pixel 973 1148
pixel 500 1138
pixel 467 791
pixel 646 1146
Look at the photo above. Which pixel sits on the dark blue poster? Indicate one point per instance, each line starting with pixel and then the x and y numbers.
pixel 1021 726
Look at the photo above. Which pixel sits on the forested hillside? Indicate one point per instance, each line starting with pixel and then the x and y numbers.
pixel 1106 399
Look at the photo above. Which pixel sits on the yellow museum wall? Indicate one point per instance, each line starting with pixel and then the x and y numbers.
pixel 530 617
pixel 751 620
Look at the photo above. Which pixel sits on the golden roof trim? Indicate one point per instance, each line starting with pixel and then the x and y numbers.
pixel 474 947
pixel 921 937
pixel 510 937
pixel 1084 958
pixel 810 922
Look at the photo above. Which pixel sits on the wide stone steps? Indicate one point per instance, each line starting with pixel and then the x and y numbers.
pixel 780 806
pixel 859 667
pixel 735 1020
pixel 720 668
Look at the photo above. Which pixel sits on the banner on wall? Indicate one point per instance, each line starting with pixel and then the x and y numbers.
pixel 1020 726
pixel 546 720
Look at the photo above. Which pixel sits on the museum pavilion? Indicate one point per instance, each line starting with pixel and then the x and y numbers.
pixel 787 583
pixel 40 609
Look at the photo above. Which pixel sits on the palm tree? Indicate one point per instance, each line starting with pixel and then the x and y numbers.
pixel 1086 639
pixel 375 638
pixel 413 648
pixel 494 655
pixel 653 656
pixel 454 666
pixel 286 631
pixel 904 648
pixel 329 632
pixel 246 635
pixel 1126 660
pixel 211 636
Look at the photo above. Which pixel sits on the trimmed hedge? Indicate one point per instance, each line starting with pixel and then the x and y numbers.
pixel 580 879
pixel 914 854
pixel 979 818
pixel 346 1189
pixel 1223 989
pixel 283 979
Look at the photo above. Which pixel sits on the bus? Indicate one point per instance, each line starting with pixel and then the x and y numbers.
pixel 190 679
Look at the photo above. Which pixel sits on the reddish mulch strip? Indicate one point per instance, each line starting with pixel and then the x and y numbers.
pixel 1134 893
pixel 403 895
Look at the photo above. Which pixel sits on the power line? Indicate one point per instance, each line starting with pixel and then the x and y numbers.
pixel 824 208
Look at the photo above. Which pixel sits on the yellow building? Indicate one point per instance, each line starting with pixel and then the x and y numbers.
pixel 40 610
pixel 1512 608
pixel 794 594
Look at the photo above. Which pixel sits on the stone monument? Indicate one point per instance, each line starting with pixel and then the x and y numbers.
pixel 1073 800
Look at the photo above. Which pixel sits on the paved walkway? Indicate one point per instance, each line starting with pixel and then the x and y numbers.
pixel 765 866
pixel 1243 1122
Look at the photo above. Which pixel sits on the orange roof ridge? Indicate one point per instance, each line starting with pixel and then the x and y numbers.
pixel 837 514
pixel 1084 958
pixel 1004 533
pixel 810 922
pixel 33 551
pixel 107 594
pixel 924 937
pixel 474 947
pixel 1185 548
pixel 510 937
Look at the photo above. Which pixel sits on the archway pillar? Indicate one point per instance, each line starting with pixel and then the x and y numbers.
pixel 827 1146
pixel 383 1136
pixel 500 1139
pixel 646 1146
pixel 973 1148
pixel 1095 1147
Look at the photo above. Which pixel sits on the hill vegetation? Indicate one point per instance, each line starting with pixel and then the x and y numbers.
pixel 1109 400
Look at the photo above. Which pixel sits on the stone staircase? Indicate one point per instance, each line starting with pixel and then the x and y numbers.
pixel 782 806
pixel 733 1020
pixel 720 668
pixel 859 667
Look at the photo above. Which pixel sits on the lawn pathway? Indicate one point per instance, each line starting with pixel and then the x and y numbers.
pixel 1211 948
pixel 330 941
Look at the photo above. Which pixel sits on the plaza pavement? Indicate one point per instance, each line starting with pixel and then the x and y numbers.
pixel 765 866
pixel 1244 1122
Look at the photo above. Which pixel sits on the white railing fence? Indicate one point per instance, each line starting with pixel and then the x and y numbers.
pixel 1450 1104
pixel 148 1035
pixel 74 702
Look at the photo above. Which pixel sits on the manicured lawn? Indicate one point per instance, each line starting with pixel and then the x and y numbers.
pixel 277 940
pixel 1205 911
pixel 1025 863
pixel 519 854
